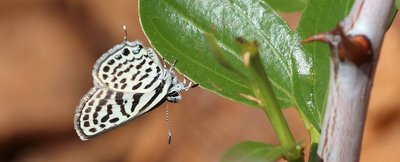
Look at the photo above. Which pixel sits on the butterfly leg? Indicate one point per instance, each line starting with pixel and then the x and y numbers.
pixel 190 85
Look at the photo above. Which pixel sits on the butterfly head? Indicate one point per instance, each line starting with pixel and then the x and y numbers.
pixel 173 95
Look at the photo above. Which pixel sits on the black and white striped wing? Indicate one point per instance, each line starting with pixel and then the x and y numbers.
pixel 128 67
pixel 103 109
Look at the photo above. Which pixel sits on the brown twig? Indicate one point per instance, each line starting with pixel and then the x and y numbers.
pixel 355 47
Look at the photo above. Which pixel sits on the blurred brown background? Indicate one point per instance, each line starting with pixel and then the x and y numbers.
pixel 48 48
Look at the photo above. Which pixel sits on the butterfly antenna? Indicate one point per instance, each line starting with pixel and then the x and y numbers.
pixel 168 126
pixel 126 33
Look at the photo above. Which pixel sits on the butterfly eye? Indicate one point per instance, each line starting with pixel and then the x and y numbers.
pixel 173 94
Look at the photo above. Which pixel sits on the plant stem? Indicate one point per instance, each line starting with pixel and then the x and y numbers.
pixel 269 103
pixel 315 137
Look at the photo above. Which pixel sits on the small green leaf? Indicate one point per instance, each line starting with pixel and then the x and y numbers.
pixel 287 5
pixel 254 152
pixel 397 4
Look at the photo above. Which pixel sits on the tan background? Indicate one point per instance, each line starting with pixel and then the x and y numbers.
pixel 47 50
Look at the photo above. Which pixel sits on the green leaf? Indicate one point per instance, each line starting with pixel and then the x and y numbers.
pixel 397 4
pixel 254 152
pixel 287 5
pixel 176 30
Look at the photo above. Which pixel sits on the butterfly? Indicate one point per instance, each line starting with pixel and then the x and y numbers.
pixel 129 81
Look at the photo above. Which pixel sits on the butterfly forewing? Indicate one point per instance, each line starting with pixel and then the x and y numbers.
pixel 128 67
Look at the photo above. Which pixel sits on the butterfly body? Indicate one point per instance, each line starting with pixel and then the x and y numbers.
pixel 129 81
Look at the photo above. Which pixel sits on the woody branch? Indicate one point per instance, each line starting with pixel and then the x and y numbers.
pixel 355 47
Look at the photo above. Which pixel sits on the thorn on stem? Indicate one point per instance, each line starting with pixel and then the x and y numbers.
pixel 356 49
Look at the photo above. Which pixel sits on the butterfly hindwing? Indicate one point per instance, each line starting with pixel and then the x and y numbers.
pixel 103 109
